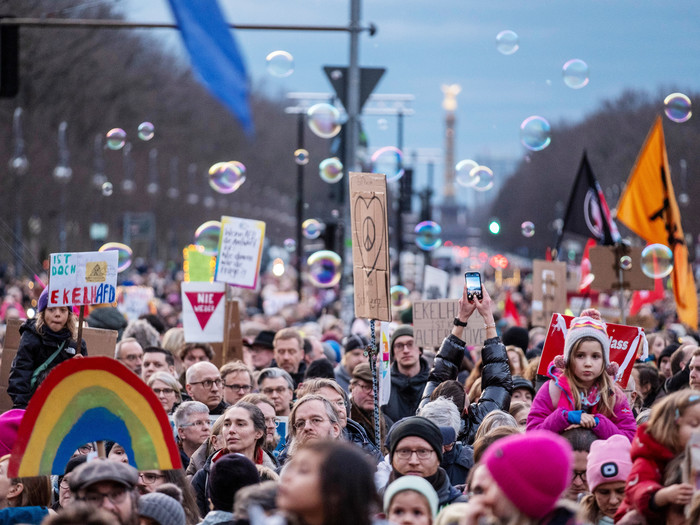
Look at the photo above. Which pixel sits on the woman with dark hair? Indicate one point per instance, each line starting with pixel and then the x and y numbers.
pixel 33 494
pixel 648 382
pixel 317 487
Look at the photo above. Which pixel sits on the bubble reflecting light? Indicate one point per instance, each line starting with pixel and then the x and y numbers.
pixel 280 64
pixel 123 251
pixel 324 120
pixel 483 178
pixel 331 170
pixel 527 228
pixel 146 131
pixel 463 173
pixel 301 157
pixel 678 107
pixel 312 228
pixel 324 268
pixel 116 138
pixel 428 235
pixel 400 297
pixel 388 161
pixel 657 261
pixel 206 237
pixel 226 177
pixel 507 42
pixel 626 262
pixel 535 133
pixel 107 189
pixel 290 245
pixel 575 73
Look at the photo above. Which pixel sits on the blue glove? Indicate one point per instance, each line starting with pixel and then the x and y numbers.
pixel 574 417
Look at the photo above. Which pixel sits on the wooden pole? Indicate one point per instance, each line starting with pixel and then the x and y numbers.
pixel 80 329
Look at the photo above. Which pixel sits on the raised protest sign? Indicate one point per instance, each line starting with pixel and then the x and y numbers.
pixel 203 308
pixel 198 266
pixel 240 252
pixel 432 322
pixel 83 278
pixel 134 301
pixel 548 290
pixel 370 245
pixel 625 341
pixel 435 283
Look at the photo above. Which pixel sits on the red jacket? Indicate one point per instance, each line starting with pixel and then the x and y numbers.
pixel 649 459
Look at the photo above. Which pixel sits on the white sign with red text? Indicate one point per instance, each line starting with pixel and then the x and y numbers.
pixel 83 278
pixel 203 308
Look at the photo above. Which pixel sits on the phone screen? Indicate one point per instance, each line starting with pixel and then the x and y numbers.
pixel 473 283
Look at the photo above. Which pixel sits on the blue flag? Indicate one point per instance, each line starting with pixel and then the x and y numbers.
pixel 214 55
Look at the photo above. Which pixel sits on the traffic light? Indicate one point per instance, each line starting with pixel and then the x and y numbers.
pixel 9 59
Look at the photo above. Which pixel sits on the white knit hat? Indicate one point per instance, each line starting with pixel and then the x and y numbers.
pixel 587 327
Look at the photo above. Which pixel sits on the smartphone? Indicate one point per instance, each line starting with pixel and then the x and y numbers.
pixel 473 285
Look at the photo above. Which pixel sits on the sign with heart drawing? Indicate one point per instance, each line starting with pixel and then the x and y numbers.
pixel 370 245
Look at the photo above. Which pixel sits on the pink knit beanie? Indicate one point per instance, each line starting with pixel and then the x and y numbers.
pixel 609 460
pixel 532 469
pixel 9 427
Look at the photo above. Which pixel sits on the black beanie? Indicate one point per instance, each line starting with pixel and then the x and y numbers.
pixel 516 336
pixel 416 426
pixel 668 351
pixel 404 329
pixel 228 474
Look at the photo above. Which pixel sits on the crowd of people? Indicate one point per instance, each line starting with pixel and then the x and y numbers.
pixel 287 433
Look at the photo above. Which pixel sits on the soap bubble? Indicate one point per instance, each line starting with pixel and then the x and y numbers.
pixel 290 245
pixel 626 262
pixel 116 138
pixel 463 173
pixel 206 237
pixel 123 251
pixel 677 107
pixel 527 228
pixel 483 178
pixel 389 161
pixel 107 189
pixel 331 170
pixel 226 177
pixel 301 157
pixel 324 120
pixel 535 133
pixel 400 297
pixel 280 64
pixel 312 228
pixel 428 235
pixel 507 42
pixel 575 73
pixel 324 268
pixel 146 131
pixel 657 260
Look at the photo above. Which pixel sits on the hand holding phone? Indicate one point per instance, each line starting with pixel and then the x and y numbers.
pixel 473 280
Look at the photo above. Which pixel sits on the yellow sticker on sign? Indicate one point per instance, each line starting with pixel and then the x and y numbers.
pixel 96 272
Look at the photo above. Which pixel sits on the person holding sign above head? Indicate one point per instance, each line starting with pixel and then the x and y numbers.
pixel 496 379
pixel 47 341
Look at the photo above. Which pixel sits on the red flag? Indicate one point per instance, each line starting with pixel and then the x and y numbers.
pixel 642 297
pixel 510 310
pixel 586 275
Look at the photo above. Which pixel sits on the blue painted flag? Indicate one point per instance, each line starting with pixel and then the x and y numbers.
pixel 215 55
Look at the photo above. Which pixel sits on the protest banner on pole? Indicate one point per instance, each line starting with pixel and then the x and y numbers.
pixel 240 252
pixel 203 308
pixel 548 290
pixel 134 301
pixel 82 278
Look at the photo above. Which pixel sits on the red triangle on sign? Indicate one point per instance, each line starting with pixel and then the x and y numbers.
pixel 204 304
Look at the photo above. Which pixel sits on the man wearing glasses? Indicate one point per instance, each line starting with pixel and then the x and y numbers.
pixel 109 485
pixel 193 428
pixel 203 384
pixel 278 385
pixel 130 353
pixel 237 381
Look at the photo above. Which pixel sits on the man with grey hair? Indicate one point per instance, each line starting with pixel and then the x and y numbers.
pixel 193 428
pixel 278 385
pixel 203 384
pixel 457 458
pixel 130 353
pixel 143 332
pixel 313 418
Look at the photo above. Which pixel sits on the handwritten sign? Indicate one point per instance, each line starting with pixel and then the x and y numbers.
pixel 198 266
pixel 435 283
pixel 432 322
pixel 240 252
pixel 134 301
pixel 203 309
pixel 548 290
pixel 83 278
pixel 370 245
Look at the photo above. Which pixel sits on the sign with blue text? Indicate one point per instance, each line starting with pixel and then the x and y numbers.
pixel 83 278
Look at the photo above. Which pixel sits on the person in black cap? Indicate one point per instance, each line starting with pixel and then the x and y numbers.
pixel 517 336
pixel 261 349
pixel 354 347
pixel 228 474
pixel 415 449
pixel 523 391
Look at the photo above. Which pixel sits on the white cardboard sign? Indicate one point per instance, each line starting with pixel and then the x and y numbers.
pixel 83 278
pixel 203 308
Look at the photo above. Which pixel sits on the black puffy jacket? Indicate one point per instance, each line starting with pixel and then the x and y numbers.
pixel 496 380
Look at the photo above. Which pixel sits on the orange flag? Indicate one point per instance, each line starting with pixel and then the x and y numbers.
pixel 648 207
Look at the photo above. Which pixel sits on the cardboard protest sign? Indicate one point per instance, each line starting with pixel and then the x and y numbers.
pixel 370 245
pixel 92 399
pixel 198 266
pixel 203 306
pixel 134 301
pixel 548 290
pixel 83 278
pixel 432 322
pixel 625 341
pixel 435 283
pixel 607 277
pixel 240 252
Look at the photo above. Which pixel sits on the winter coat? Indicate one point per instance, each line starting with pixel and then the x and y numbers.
pixel 34 349
pixel 342 376
pixel 544 415
pixel 405 392
pixel 355 434
pixel 458 462
pixel 649 459
pixel 496 380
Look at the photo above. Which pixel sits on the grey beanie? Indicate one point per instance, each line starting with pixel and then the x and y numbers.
pixel 404 329
pixel 161 508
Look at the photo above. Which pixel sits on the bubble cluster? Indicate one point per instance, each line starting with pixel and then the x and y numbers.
pixel 206 237
pixel 400 297
pixel 575 73
pixel 388 161
pixel 116 138
pixel 507 42
pixel 280 64
pixel 124 254
pixel 331 170
pixel 226 177
pixel 428 235
pixel 463 171
pixel 527 228
pixel 146 131
pixel 324 120
pixel 657 261
pixel 311 228
pixel 678 107
pixel 301 157
pixel 535 133
pixel 324 268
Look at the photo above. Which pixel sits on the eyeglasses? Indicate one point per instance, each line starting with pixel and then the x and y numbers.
pixel 580 474
pixel 199 423
pixel 85 449
pixel 400 346
pixel 363 386
pixel 299 424
pixel 271 421
pixel 116 496
pixel 149 478
pixel 132 357
pixel 208 383
pixel 406 453
pixel 279 390
pixel 65 483
pixel 245 388
pixel 339 403
pixel 166 391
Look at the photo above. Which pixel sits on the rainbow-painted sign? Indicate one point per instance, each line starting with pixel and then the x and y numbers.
pixel 92 399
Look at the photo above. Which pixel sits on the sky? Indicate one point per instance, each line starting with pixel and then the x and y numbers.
pixel 649 45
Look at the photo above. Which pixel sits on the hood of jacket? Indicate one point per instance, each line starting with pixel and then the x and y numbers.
pixel 106 317
pixel 403 382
